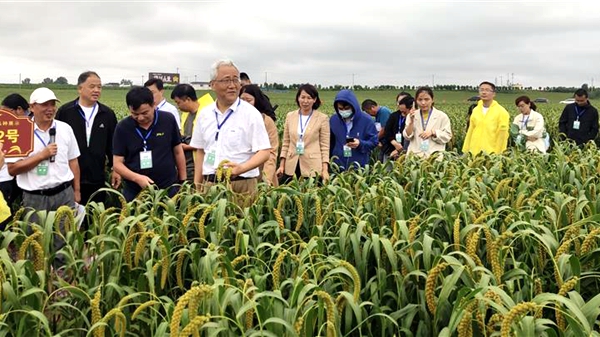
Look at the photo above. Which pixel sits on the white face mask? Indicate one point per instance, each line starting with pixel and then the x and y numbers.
pixel 345 113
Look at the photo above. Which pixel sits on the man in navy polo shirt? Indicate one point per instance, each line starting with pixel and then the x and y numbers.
pixel 147 146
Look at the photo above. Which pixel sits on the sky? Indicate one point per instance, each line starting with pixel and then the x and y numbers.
pixel 370 43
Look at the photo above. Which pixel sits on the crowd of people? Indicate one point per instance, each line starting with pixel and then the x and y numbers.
pixel 82 147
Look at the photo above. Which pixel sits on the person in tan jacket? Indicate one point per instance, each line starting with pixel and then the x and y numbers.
pixel 306 138
pixel 531 125
pixel 252 94
pixel 427 128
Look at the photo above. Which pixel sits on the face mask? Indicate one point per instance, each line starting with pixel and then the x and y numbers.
pixel 345 113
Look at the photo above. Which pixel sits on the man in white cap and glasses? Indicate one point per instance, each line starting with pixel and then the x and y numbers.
pixel 48 176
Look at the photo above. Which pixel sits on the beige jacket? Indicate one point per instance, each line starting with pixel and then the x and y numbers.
pixel 439 122
pixel 535 128
pixel 316 144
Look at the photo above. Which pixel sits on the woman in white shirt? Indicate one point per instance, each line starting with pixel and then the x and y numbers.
pixel 531 125
pixel 427 129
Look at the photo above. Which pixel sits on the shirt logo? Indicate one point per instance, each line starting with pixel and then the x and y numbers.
pixel 101 126
pixel 160 134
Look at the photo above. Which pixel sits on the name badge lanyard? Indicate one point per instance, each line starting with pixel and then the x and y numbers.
pixel 145 138
pixel 579 114
pixel 161 105
pixel 87 121
pixel 401 122
pixel 524 122
pixel 303 126
pixel 423 122
pixel 220 125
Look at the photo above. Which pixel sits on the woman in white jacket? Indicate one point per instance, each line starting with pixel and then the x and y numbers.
pixel 531 125
pixel 427 129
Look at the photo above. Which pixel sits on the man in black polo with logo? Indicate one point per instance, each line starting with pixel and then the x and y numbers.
pixel 93 124
pixel 579 120
pixel 147 146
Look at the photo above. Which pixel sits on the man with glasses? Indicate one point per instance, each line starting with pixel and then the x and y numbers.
pixel 229 131
pixel 488 124
pixel 579 120
pixel 157 87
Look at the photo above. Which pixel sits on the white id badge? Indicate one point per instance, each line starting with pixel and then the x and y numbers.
pixel 576 125
pixel 399 137
pixel 42 168
pixel 300 147
pixel 425 145
pixel 378 127
pixel 210 158
pixel 347 151
pixel 145 160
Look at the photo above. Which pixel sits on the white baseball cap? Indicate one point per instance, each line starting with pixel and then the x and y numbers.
pixel 42 95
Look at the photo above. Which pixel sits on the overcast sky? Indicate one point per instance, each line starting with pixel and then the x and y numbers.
pixel 370 42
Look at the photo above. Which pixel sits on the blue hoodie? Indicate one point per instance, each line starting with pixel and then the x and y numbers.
pixel 363 128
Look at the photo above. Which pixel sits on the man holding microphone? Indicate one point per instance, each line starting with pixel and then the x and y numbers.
pixel 49 176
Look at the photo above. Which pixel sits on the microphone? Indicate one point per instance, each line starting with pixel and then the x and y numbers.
pixel 52 132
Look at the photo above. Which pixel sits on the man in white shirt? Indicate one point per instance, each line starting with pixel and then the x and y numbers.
pixel 229 129
pixel 48 176
pixel 160 102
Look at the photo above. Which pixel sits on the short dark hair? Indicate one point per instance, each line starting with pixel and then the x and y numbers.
pixel 488 83
pixel 85 75
pixel 403 93
pixel 137 96
pixel 368 104
pixel 156 82
pixel 407 101
pixel 244 76
pixel 261 102
pixel 184 90
pixel 312 92
pixel 14 101
pixel 581 92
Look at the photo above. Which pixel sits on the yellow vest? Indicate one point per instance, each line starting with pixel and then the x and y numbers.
pixel 487 132
pixel 203 102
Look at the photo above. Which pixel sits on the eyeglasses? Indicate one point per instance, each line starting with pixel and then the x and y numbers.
pixel 485 90
pixel 228 81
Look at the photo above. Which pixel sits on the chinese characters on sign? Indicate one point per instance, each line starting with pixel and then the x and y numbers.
pixel 16 134
pixel 167 78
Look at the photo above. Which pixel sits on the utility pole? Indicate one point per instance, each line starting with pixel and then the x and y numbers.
pixel 142 79
pixel 501 81
pixel 433 80
pixel 353 81
pixel 20 82
pixel 513 79
pixel 266 79
pixel 195 78
pixel 177 71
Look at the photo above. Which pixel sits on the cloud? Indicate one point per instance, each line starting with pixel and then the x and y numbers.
pixel 367 43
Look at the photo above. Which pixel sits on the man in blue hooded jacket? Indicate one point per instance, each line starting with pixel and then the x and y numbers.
pixel 353 132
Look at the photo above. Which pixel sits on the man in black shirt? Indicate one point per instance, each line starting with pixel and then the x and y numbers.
pixel 147 146
pixel 579 120
pixel 93 124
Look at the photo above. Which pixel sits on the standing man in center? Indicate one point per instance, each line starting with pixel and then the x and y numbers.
pixel 229 129
pixel 93 124
pixel 489 124
pixel 156 85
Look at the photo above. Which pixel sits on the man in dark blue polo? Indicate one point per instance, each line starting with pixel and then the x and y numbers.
pixel 147 146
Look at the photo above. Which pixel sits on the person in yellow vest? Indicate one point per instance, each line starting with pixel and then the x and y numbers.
pixel 488 125
pixel 184 96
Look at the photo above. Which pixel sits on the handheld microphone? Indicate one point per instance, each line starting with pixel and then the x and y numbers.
pixel 52 132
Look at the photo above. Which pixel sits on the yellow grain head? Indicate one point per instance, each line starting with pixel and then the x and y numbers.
pixel 430 285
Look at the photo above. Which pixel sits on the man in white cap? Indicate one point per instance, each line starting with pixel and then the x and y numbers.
pixel 48 176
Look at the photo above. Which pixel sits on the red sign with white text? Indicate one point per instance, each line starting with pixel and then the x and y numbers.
pixel 16 134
